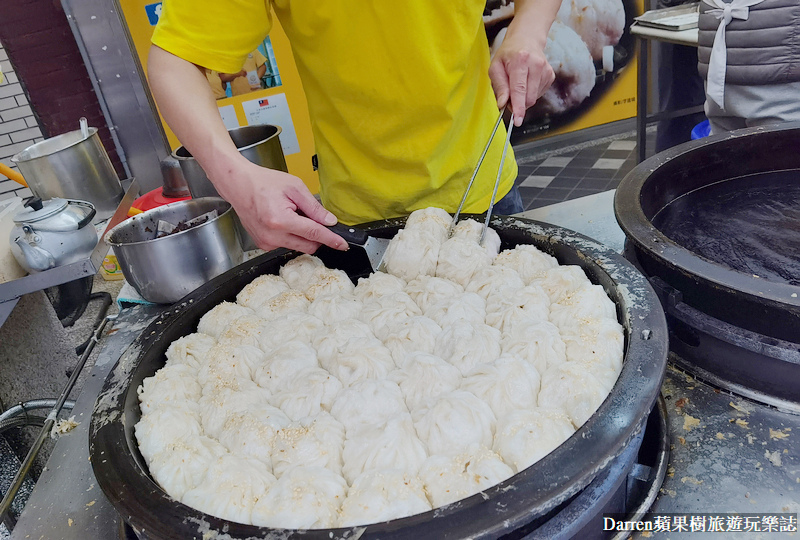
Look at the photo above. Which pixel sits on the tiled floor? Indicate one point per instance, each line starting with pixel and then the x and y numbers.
pixel 576 173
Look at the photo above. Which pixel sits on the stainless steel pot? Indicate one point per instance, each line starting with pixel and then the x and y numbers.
pixel 73 165
pixel 259 144
pixel 163 270
pixel 52 233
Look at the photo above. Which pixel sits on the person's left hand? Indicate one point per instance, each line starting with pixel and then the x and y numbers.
pixel 519 72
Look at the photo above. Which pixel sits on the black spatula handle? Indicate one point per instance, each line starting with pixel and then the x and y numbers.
pixel 351 235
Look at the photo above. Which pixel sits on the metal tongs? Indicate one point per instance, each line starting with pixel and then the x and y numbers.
pixel 475 173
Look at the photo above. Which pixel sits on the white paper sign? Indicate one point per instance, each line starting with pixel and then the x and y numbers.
pixel 274 110
pixel 228 115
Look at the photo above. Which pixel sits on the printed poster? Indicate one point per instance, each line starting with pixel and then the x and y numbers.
pixel 274 110
pixel 228 114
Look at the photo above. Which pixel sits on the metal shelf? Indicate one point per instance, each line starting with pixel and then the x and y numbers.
pixel 11 291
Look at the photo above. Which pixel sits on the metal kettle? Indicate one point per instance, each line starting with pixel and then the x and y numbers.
pixel 52 233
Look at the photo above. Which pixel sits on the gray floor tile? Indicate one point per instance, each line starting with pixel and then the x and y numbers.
pixel 565 182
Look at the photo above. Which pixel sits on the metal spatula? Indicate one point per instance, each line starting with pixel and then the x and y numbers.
pixel 375 248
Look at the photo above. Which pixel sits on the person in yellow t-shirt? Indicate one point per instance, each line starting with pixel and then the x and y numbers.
pixel 216 84
pixel 402 97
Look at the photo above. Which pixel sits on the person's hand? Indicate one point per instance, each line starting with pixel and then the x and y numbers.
pixel 519 72
pixel 268 201
pixel 228 77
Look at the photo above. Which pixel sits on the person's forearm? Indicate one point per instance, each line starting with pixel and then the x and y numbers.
pixel 189 108
pixel 534 17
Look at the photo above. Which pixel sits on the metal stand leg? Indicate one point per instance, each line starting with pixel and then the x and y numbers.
pixel 641 101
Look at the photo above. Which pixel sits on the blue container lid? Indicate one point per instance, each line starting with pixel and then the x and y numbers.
pixel 703 129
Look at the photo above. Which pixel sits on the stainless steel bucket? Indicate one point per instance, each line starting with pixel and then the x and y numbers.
pixel 72 166
pixel 259 144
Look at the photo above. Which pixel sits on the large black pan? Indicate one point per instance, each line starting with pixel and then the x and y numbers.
pixel 715 223
pixel 517 505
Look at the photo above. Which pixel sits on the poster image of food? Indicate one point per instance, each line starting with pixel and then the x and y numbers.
pixel 259 71
pixel 592 53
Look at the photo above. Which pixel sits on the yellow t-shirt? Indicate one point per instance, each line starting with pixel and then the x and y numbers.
pixel 399 94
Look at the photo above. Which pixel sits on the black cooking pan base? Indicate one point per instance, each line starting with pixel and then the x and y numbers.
pixel 749 224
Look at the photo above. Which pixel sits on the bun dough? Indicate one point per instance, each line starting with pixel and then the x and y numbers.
pixel 226 363
pixel 230 488
pixel 323 383
pixel 303 498
pixel 453 422
pixel 220 316
pixel 307 393
pixel 394 445
pixel 220 401
pixel 291 301
pixel 528 261
pixel 245 330
pixel 507 384
pixel 314 441
pixel 368 403
pixel 283 364
pixel 414 334
pixel 359 359
pixel 587 303
pixel 298 273
pixel 574 388
pixel 538 343
pixel 495 280
pixel 424 377
pixel 378 284
pixel 472 230
pixel 460 258
pixel 465 345
pixel 190 350
pixel 412 253
pixel 429 290
pixel 526 436
pixel 562 281
pixel 252 434
pixel 463 307
pixel 160 428
pixel 260 290
pixel 330 308
pixel 599 340
pixel 431 220
pixel 451 478
pixel 378 496
pixel 326 281
pixel 173 383
pixel 182 464
pixel 388 312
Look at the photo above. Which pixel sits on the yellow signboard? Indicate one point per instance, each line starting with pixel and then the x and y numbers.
pixel 266 91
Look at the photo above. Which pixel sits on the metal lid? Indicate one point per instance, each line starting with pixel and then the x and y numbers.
pixel 56 214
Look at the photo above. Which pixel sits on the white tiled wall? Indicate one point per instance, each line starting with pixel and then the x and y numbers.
pixel 18 126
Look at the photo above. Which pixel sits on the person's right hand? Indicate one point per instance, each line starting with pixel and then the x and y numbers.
pixel 270 203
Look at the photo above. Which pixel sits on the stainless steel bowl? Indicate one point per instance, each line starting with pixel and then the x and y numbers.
pixel 164 270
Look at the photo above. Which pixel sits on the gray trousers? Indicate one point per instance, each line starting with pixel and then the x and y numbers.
pixel 756 105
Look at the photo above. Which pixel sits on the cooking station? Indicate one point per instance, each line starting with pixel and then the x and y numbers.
pixel 726 453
